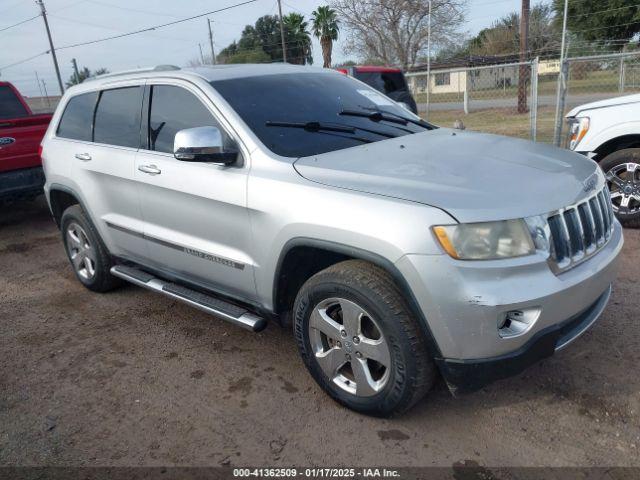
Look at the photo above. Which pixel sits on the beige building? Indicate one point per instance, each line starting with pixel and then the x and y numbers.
pixel 477 73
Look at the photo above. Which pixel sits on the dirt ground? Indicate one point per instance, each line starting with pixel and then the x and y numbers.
pixel 133 378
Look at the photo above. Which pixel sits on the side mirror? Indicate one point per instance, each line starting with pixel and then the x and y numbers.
pixel 203 144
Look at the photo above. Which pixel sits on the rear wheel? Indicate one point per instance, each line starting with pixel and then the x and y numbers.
pixel 88 256
pixel 360 341
pixel 622 170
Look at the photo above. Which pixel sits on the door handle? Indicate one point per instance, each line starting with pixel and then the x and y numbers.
pixel 150 169
pixel 85 157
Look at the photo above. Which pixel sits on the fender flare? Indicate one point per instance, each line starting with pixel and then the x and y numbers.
pixel 74 194
pixel 361 254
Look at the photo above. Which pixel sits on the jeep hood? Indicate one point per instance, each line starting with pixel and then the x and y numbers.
pixel 474 177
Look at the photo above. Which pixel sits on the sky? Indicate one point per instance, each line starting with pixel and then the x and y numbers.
pixel 74 21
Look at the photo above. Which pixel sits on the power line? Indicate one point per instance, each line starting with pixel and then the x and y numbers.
pixel 608 26
pixel 155 27
pixel 23 61
pixel 296 43
pixel 146 12
pixel 606 10
pixel 82 22
pixel 19 23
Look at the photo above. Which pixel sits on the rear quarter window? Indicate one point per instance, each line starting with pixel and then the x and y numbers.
pixel 10 105
pixel 77 117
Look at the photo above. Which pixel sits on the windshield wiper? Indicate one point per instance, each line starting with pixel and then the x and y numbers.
pixel 420 123
pixel 313 126
pixel 317 127
pixel 327 127
pixel 375 116
pixel 378 116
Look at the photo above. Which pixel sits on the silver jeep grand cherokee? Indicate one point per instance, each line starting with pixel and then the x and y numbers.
pixel 396 249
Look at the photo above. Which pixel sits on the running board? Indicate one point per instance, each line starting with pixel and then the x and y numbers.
pixel 207 303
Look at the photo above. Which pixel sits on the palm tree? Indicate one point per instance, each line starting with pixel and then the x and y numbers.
pixel 298 39
pixel 325 27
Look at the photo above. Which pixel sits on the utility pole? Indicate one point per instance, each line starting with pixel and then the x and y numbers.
pixel 213 53
pixel 75 70
pixel 40 88
pixel 53 50
pixel 284 45
pixel 561 80
pixel 46 95
pixel 201 54
pixel 524 50
pixel 39 85
pixel 428 61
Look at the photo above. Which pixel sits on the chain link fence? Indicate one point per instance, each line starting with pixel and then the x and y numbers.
pixel 493 99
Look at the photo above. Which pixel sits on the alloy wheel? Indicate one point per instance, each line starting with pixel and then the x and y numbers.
pixel 81 252
pixel 349 347
pixel 624 185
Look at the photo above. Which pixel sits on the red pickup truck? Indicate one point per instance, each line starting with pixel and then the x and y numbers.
pixel 21 131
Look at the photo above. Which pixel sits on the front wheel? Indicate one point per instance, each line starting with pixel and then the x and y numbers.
pixel 622 170
pixel 360 341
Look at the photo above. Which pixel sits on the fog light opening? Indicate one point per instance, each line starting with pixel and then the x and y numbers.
pixel 517 322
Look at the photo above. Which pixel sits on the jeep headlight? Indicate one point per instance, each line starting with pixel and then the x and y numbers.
pixel 578 128
pixel 486 240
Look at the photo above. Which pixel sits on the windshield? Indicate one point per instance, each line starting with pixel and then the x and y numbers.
pixel 293 114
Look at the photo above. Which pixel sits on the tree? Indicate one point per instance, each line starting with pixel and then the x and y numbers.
pixel 503 37
pixel 298 40
pixel 84 73
pixel 326 28
pixel 257 55
pixel 264 36
pixel 610 23
pixel 395 31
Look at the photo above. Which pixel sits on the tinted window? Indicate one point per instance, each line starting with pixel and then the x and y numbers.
pixel 174 109
pixel 118 117
pixel 77 117
pixel 10 106
pixel 311 97
pixel 385 82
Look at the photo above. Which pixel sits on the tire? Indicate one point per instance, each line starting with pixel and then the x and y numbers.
pixel 86 252
pixel 621 177
pixel 369 295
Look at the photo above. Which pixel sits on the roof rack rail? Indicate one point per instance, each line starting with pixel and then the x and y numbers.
pixel 157 68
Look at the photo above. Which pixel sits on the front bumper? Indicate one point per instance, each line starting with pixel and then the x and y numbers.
pixel 464 376
pixel 462 303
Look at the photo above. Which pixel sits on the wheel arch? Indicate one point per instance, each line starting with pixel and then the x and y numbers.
pixel 324 253
pixel 617 143
pixel 61 198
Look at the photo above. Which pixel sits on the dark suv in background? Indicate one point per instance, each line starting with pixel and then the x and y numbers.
pixel 388 80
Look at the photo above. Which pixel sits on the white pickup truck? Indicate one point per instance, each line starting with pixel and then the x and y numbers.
pixel 608 132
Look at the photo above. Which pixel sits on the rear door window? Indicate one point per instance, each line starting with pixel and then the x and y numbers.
pixel 117 119
pixel 174 109
pixel 10 106
pixel 77 117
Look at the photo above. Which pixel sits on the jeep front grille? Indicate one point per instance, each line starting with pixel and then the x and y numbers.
pixel 581 230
